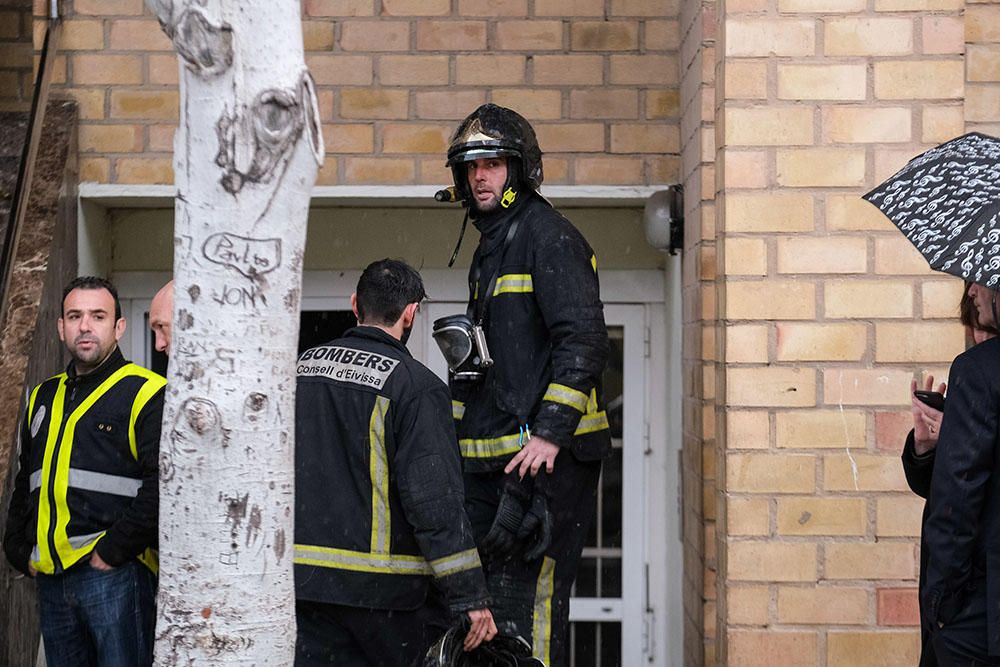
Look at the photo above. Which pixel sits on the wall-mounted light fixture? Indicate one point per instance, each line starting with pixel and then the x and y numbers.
pixel 663 219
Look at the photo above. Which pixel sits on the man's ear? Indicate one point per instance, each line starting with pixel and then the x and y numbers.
pixel 120 328
pixel 59 328
pixel 354 306
pixel 409 313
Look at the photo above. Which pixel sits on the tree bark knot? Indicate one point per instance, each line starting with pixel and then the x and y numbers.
pixel 254 143
pixel 206 47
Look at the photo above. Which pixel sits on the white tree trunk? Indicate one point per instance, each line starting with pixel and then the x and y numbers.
pixel 245 158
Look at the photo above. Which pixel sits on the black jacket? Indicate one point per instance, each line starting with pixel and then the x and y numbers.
pixel 962 531
pixel 918 471
pixel 378 485
pixel 96 487
pixel 545 330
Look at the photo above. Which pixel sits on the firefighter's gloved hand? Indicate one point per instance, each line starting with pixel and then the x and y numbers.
pixel 502 538
pixel 536 526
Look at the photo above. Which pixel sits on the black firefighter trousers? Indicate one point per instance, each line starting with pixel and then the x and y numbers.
pixel 331 634
pixel 533 598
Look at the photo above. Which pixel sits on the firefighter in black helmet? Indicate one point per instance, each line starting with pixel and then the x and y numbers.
pixel 526 389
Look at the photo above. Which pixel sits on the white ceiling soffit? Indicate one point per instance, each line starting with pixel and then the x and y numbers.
pixel 326 196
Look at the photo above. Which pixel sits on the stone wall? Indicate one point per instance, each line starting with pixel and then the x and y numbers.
pixel 44 261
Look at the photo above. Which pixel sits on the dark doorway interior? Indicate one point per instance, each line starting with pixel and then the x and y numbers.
pixel 321 326
pixel 315 328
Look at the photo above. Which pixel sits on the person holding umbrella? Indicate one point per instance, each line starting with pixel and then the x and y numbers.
pixel 947 202
pixel 921 444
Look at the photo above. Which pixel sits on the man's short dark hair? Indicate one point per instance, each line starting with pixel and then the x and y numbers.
pixel 93 282
pixel 385 289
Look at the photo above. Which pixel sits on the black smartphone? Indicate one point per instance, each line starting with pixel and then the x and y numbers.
pixel 935 399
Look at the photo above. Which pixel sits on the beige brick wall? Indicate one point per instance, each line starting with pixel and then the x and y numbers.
pixel 597 77
pixel 697 66
pixel 805 313
pixel 827 313
pixel 982 43
pixel 15 55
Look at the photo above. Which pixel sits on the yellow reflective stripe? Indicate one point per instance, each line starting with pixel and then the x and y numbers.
pixel 481 448
pixel 31 403
pixel 359 561
pixel 593 262
pixel 460 562
pixel 457 410
pixel 591 423
pixel 44 563
pixel 514 283
pixel 379 470
pixel 560 393
pixel 67 553
pixel 153 384
pixel 541 626
pixel 151 559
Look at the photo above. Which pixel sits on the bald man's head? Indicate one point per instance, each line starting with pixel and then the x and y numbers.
pixel 161 315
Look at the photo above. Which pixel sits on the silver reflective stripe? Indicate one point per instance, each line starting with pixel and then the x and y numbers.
pixel 463 560
pixel 513 282
pixel 591 423
pixel 80 541
pixel 87 480
pixel 342 559
pixel 379 471
pixel 478 448
pixel 35 481
pixel 75 541
pixel 560 393
pixel 457 410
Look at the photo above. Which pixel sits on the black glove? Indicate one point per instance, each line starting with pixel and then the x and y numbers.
pixel 537 522
pixel 502 538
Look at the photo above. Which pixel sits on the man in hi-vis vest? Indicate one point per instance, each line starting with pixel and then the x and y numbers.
pixel 83 514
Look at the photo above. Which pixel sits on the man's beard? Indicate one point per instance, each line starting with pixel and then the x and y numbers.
pixel 488 207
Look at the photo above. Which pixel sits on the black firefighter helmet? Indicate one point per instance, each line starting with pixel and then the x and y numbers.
pixel 495 131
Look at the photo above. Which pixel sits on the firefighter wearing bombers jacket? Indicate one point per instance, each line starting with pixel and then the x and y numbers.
pixel 538 408
pixel 381 534
pixel 83 513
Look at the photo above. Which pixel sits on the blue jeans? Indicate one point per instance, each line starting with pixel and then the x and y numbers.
pixel 92 618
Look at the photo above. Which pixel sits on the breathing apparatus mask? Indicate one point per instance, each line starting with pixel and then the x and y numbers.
pixel 463 345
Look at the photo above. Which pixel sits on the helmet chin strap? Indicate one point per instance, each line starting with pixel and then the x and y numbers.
pixel 461 235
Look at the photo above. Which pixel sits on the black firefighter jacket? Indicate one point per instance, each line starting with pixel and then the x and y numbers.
pixel 545 330
pixel 962 530
pixel 378 484
pixel 88 475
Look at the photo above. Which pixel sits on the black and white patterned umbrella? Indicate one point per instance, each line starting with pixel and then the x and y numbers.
pixel 947 203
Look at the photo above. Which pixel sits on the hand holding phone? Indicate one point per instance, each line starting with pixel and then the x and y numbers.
pixel 934 399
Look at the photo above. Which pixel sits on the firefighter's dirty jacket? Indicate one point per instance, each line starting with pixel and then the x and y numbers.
pixel 378 499
pixel 545 330
pixel 88 476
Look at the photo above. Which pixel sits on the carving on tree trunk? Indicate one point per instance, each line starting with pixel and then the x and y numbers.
pixel 246 156
pixel 252 143
pixel 206 48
